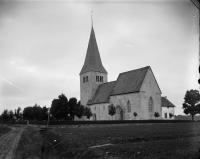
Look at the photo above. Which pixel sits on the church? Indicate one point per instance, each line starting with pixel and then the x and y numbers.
pixel 135 94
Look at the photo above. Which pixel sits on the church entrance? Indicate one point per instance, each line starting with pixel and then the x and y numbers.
pixel 94 116
pixel 119 113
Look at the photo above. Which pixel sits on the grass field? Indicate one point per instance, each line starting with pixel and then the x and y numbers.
pixel 4 129
pixel 148 141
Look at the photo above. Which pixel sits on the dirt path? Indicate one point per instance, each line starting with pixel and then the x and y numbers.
pixel 9 142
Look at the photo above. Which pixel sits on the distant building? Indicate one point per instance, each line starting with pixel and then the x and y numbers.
pixel 167 108
pixel 133 91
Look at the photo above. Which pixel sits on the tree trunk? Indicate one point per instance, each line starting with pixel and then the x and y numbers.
pixel 192 117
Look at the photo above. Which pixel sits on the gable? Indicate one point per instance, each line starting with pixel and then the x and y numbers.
pixel 150 80
pixel 166 103
pixel 129 82
pixel 102 94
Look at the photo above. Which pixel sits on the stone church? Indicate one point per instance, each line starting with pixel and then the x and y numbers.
pixel 133 91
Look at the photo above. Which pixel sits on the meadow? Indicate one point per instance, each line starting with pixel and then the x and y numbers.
pixel 122 141
pixel 4 129
pixel 166 140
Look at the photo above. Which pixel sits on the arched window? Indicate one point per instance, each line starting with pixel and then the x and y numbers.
pixel 86 78
pixel 150 105
pixel 83 79
pixel 128 106
pixel 98 78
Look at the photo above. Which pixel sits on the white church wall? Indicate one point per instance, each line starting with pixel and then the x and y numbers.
pixel 122 100
pixel 166 111
pixel 149 89
pixel 101 111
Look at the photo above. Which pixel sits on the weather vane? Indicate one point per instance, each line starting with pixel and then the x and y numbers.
pixel 92 18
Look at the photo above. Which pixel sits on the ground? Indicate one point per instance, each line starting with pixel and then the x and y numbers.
pixel 136 141
pixel 9 138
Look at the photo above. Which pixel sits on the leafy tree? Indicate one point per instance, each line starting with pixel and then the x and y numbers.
pixel 11 114
pixel 44 113
pixel 111 110
pixel 5 114
pixel 171 115
pixel 59 107
pixel 87 112
pixel 135 114
pixel 72 104
pixel 191 103
pixel 156 114
pixel 79 110
pixel 18 112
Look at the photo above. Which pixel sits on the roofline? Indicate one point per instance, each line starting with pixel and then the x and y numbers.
pixel 167 106
pixel 133 70
pixel 93 71
pixel 97 103
pixel 155 80
pixel 124 93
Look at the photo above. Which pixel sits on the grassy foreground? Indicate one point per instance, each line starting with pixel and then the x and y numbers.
pixel 170 140
pixel 4 129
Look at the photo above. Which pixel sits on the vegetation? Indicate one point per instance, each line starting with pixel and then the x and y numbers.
pixel 79 110
pixel 171 115
pixel 4 129
pixel 130 141
pixel 87 112
pixel 191 103
pixel 111 110
pixel 135 114
pixel 156 114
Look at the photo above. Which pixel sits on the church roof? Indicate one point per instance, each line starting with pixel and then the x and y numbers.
pixel 130 82
pixel 102 94
pixel 92 59
pixel 166 103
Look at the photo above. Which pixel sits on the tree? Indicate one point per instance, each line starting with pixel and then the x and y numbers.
pixel 87 112
pixel 44 115
pixel 11 114
pixel 135 114
pixel 79 110
pixel 171 115
pixel 59 107
pixel 191 103
pixel 5 114
pixel 111 110
pixel 72 104
pixel 156 114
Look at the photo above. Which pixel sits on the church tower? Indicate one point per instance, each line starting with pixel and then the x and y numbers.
pixel 92 73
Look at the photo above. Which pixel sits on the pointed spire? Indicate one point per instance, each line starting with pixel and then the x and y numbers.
pixel 93 59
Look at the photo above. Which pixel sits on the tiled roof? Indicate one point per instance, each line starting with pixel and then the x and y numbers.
pixel 102 94
pixel 130 82
pixel 93 59
pixel 166 103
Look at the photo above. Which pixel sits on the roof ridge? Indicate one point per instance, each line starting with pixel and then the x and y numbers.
pixel 135 69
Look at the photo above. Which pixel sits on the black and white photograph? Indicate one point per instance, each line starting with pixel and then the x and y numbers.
pixel 99 79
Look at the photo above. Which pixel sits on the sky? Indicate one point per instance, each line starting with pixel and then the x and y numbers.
pixel 43 46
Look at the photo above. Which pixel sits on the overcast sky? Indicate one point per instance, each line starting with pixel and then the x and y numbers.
pixel 43 46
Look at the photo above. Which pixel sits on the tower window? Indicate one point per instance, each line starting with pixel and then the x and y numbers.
pixel 87 79
pixel 98 78
pixel 102 78
pixel 83 79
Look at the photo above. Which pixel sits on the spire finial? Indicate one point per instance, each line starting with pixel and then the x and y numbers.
pixel 92 18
